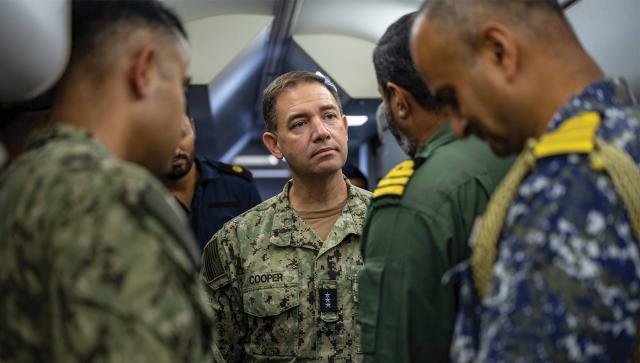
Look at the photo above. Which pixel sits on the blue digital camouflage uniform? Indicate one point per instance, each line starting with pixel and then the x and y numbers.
pixel 95 262
pixel 222 192
pixel 281 294
pixel 565 286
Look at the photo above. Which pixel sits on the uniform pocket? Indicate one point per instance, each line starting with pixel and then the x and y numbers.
pixel 270 301
pixel 272 320
pixel 369 281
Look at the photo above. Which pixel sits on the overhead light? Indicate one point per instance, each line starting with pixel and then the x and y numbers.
pixel 358 120
pixel 255 160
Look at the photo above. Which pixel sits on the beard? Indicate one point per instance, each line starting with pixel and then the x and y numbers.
pixel 405 143
pixel 180 169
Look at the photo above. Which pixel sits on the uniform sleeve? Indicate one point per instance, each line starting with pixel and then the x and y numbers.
pixel 122 288
pixel 566 279
pixel 218 274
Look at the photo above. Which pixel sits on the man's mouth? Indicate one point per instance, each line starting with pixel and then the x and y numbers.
pixel 179 158
pixel 323 150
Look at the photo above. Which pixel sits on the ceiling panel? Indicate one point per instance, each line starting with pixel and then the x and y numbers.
pixel 217 40
pixel 366 19
pixel 196 9
pixel 346 59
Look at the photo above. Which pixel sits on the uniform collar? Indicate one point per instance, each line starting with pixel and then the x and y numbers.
pixel 288 230
pixel 351 220
pixel 58 131
pixel 206 169
pixel 442 136
pixel 598 96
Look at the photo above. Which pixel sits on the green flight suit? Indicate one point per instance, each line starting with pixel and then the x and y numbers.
pixel 412 238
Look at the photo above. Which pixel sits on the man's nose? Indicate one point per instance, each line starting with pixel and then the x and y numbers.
pixel 319 129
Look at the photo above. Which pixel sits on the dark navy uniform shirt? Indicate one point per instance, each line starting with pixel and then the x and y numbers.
pixel 222 192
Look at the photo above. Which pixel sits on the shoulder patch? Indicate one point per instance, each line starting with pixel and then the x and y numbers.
pixel 394 182
pixel 212 268
pixel 235 170
pixel 576 136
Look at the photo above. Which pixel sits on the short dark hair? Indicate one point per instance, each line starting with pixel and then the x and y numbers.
pixel 94 21
pixel 285 82
pixel 393 63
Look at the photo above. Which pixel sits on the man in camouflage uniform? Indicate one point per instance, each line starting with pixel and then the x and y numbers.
pixel 96 264
pixel 555 272
pixel 421 216
pixel 282 277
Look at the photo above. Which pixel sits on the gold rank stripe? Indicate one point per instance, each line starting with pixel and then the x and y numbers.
pixel 576 135
pixel 399 173
pixel 389 190
pixel 393 181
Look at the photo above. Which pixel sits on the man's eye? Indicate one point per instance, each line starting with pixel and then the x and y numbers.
pixel 297 124
pixel 331 116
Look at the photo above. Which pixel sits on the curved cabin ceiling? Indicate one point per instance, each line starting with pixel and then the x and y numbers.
pixel 364 19
pixel 347 60
pixel 217 40
pixel 338 34
pixel 196 9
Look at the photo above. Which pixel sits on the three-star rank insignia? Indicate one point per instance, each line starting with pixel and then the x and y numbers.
pixel 395 181
pixel 328 300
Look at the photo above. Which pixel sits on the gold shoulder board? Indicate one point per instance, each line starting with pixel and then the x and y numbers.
pixel 576 136
pixel 394 182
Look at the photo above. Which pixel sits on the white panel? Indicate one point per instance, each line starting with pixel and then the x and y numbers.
pixel 609 30
pixel 217 40
pixel 189 10
pixel 366 19
pixel 34 46
pixel 346 59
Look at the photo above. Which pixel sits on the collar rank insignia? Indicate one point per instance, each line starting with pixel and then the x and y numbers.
pixel 328 300
pixel 394 182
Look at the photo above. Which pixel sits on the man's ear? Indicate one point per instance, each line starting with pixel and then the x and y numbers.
pixel 141 71
pixel 398 101
pixel 345 124
pixel 499 47
pixel 270 140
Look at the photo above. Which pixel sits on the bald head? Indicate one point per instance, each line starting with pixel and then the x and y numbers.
pixel 541 20
pixel 504 67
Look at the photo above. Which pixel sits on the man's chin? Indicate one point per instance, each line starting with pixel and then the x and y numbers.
pixel 328 167
pixel 177 173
